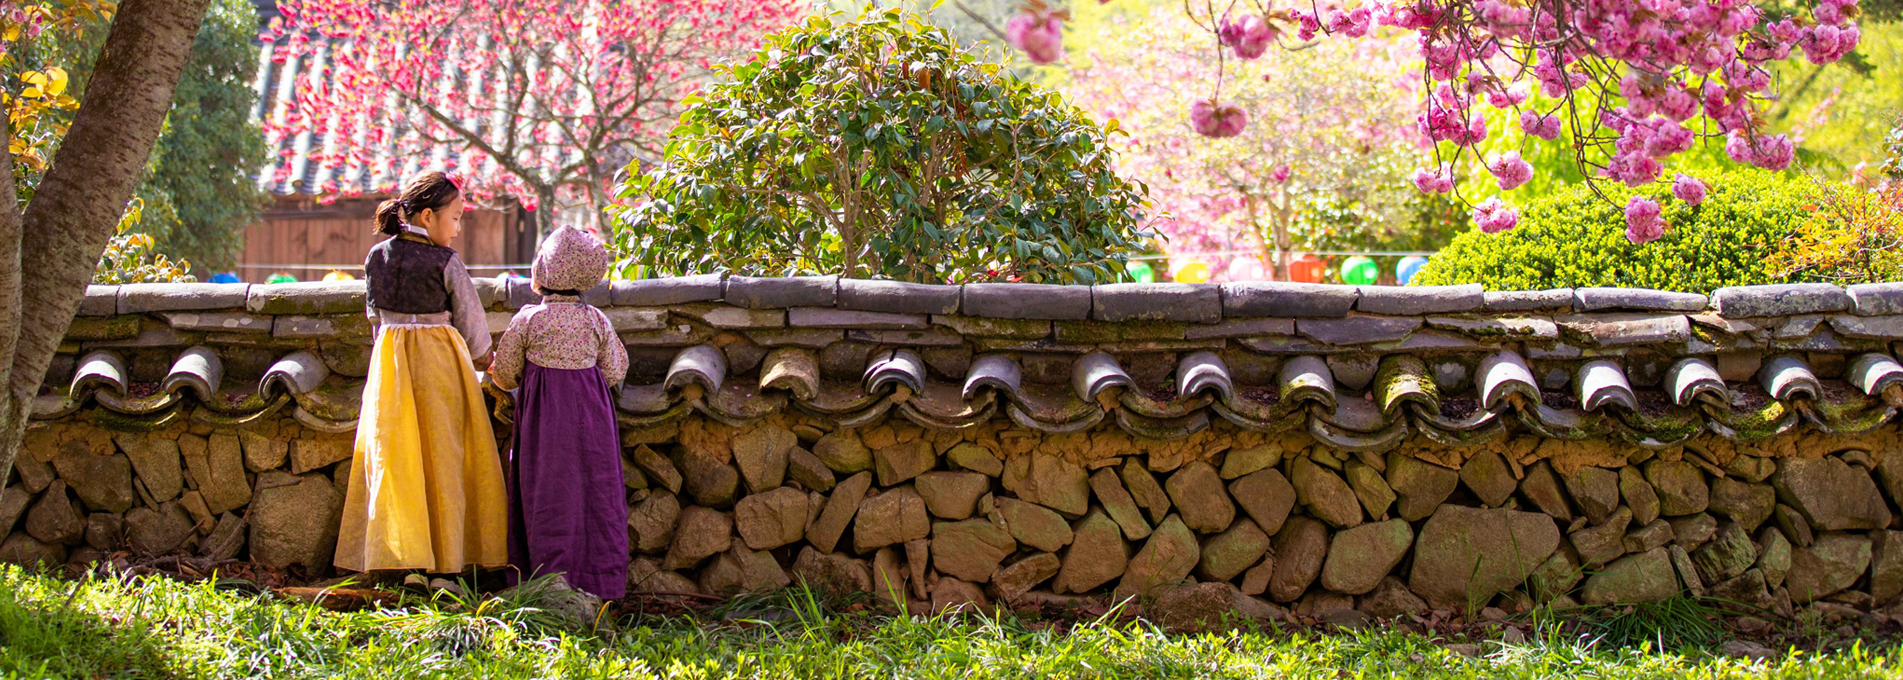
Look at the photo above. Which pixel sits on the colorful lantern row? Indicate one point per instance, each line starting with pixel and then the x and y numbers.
pixel 1359 270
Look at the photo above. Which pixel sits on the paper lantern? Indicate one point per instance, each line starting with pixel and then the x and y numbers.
pixel 1408 267
pixel 1306 269
pixel 1141 271
pixel 338 276
pixel 1194 272
pixel 1360 270
pixel 1246 269
pixel 281 278
pixel 225 277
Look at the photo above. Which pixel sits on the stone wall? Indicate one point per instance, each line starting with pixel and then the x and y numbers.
pixel 1320 447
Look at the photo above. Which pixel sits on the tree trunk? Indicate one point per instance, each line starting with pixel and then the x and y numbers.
pixel 598 203
pixel 78 202
pixel 1282 244
pixel 524 233
pixel 1265 251
pixel 544 216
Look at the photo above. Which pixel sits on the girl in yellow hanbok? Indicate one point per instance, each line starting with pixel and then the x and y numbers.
pixel 426 488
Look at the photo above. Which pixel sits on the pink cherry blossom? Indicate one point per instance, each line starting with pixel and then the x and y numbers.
pixel 1435 181
pixel 1250 36
pixel 1674 60
pixel 1771 153
pixel 1494 216
pixel 1510 170
pixel 1688 189
pixel 1211 119
pixel 1642 222
pixel 1543 127
pixel 1230 30
pixel 1508 97
pixel 1309 25
pixel 1338 114
pixel 1039 36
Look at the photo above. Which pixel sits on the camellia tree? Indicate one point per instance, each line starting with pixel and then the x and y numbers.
pixel 1332 130
pixel 1628 83
pixel 880 147
pixel 538 100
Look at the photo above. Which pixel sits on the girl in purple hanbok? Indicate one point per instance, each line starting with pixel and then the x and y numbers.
pixel 567 512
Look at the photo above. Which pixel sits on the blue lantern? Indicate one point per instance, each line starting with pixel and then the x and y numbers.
pixel 1408 267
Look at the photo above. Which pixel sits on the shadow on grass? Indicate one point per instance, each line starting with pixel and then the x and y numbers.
pixel 44 635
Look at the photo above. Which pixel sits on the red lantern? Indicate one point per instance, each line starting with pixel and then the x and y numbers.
pixel 1307 269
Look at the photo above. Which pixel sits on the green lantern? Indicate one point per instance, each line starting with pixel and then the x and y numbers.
pixel 281 278
pixel 1360 270
pixel 1142 272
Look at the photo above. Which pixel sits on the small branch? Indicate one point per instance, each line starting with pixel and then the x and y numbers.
pixel 993 28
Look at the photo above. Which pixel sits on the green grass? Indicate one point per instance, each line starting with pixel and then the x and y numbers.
pixel 159 628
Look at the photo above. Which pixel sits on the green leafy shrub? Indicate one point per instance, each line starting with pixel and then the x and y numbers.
pixel 879 147
pixel 198 193
pixel 1577 239
pixel 133 257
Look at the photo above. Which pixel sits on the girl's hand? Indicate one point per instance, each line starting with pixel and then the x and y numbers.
pixel 482 362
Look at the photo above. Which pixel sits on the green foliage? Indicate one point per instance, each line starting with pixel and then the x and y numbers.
pixel 1893 145
pixel 198 193
pixel 1577 239
pixel 1680 621
pixel 204 161
pixel 152 627
pixel 132 257
pixel 879 147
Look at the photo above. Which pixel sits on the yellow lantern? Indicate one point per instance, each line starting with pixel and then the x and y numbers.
pixel 1194 272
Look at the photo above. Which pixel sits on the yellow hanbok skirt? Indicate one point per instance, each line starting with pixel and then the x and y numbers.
pixel 426 487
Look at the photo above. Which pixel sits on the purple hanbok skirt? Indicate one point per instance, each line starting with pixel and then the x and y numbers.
pixel 568 511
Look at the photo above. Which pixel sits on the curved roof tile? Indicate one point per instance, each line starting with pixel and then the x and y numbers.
pixel 1555 385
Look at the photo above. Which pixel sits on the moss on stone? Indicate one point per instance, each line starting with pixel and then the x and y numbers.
pixel 1759 424
pixel 1853 414
pixel 104 328
pixel 119 422
pixel 1404 378
pixel 1665 427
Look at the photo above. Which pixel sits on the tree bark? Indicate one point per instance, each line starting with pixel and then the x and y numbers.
pixel 11 408
pixel 1282 243
pixel 78 202
pixel 544 216
pixel 1265 251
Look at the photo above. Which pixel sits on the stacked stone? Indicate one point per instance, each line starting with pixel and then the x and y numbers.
pixel 270 492
pixel 932 519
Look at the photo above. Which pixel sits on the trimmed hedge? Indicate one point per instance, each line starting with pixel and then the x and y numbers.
pixel 1577 239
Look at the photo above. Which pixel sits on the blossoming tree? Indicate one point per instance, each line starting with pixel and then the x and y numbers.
pixel 1627 83
pixel 539 100
pixel 1332 125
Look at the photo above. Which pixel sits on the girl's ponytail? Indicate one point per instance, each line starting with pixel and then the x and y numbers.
pixel 426 191
pixel 390 217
